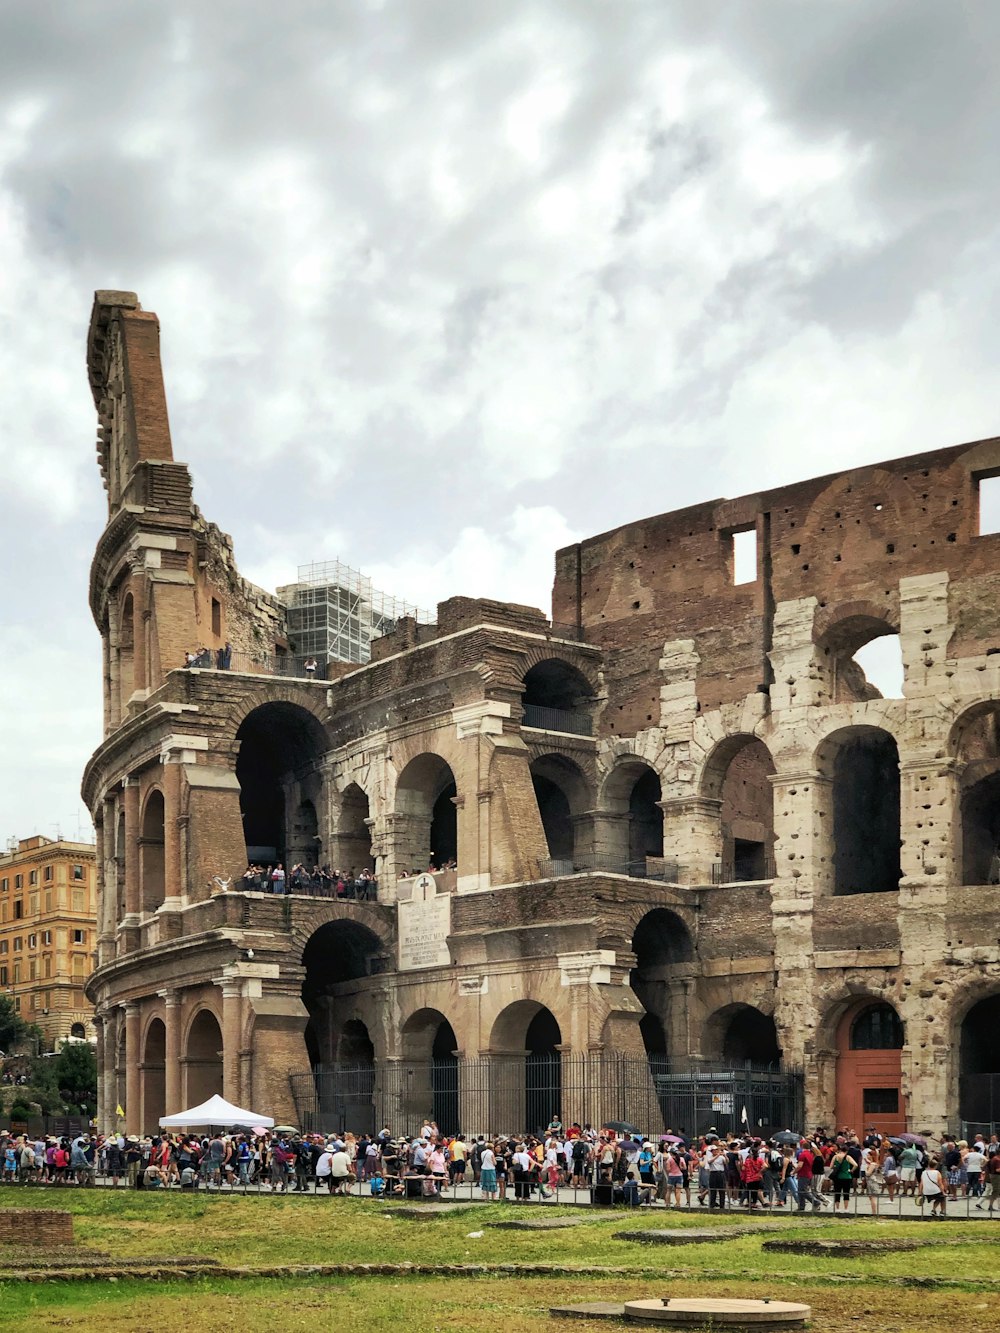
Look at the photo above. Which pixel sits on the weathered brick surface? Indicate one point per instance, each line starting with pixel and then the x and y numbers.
pixel 742 704
pixel 42 1227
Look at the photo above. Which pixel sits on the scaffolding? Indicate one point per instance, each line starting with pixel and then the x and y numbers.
pixel 334 612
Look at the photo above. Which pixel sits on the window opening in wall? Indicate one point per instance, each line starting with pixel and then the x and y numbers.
pixel 989 505
pixel 745 556
pixel 216 617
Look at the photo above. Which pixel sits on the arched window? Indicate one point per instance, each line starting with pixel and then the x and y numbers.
pixel 556 698
pixel 877 1028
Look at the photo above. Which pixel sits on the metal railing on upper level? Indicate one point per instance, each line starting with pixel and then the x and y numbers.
pixel 659 868
pixel 557 719
pixel 743 870
pixel 257 664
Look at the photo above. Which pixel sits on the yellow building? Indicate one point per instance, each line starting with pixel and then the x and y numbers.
pixel 48 909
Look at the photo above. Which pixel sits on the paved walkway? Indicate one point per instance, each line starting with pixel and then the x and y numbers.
pixel 467 1194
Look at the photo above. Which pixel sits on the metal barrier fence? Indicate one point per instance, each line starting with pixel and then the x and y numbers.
pixel 557 719
pixel 520 1094
pixel 743 870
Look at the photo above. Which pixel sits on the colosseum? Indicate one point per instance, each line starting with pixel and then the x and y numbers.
pixel 666 856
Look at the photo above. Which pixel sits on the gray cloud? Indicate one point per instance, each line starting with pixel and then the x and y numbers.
pixel 443 284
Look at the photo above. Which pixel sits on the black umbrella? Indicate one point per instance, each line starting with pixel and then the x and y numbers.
pixel 620 1126
pixel 786 1136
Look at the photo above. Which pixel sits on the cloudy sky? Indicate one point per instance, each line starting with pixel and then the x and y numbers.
pixel 445 285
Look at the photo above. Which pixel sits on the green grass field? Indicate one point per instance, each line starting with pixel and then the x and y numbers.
pixel 845 1293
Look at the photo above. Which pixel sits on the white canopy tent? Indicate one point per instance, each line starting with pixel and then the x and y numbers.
pixel 216 1111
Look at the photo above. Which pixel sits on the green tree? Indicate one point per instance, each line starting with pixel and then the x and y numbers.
pixel 13 1028
pixel 76 1073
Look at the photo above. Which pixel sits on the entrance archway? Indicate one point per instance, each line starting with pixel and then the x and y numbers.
pixel 352 839
pixel 979 1066
pixel 739 1035
pixel 154 1077
pixel 203 1059
pixel 527 1067
pixel 870 1040
pixel 278 742
pixel 556 697
pixel 661 941
pixel 430 1053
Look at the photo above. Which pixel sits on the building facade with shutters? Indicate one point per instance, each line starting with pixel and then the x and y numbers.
pixel 684 857
pixel 48 918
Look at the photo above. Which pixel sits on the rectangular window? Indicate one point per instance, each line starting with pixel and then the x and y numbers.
pixel 46 936
pixel 3 946
pixel 18 944
pixel 48 873
pixel 216 617
pixel 78 872
pixel 4 884
pixel 18 881
pixel 32 941
pixel 17 973
pixel 48 902
pixel 31 969
pixel 17 998
pixel 880 1101
pixel 32 876
pixel 989 505
pixel 3 976
pixel 745 556
pixel 79 937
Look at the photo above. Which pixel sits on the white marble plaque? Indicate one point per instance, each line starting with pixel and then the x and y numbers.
pixel 424 927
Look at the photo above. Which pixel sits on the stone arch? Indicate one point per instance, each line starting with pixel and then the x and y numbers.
pixel 426 814
pixel 556 696
pixel 632 794
pixel 974 741
pixel 203 1057
pixel 351 838
pixel 862 809
pixel 869 1039
pixel 337 953
pixel 564 795
pixel 154 1075
pixel 661 942
pixel 280 742
pixel 78 1032
pixel 430 1050
pixel 737 775
pixel 127 683
pixel 841 633
pixel 526 1041
pixel 741 1034
pixel 152 855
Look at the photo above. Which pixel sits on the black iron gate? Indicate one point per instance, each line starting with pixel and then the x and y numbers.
pixel 517 1094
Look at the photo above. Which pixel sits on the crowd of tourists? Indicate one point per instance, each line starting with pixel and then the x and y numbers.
pixel 317 882
pixel 716 1172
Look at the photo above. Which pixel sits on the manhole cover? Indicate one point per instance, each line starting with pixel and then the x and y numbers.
pixel 700 1311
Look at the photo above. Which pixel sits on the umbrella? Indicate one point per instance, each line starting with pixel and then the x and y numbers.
pixel 674 1138
pixel 285 1129
pixel 711 1138
pixel 259 1130
pixel 914 1138
pixel 786 1136
pixel 620 1127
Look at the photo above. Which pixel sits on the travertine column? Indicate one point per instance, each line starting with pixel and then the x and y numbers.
pixel 103 1119
pixel 693 823
pixel 172 1024
pixel 172 885
pixel 133 1109
pixel 232 1008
